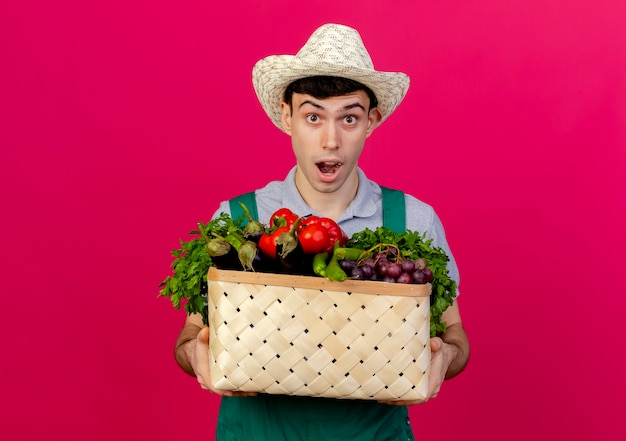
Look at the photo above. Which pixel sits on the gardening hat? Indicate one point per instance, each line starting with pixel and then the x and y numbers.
pixel 332 50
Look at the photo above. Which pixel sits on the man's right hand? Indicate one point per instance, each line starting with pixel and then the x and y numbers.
pixel 192 354
pixel 200 359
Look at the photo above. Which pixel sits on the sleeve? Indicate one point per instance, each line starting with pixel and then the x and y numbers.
pixel 437 233
pixel 223 208
pixel 421 217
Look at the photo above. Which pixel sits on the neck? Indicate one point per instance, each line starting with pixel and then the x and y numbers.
pixel 329 204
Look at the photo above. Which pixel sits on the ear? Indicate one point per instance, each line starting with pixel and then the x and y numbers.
pixel 286 117
pixel 373 119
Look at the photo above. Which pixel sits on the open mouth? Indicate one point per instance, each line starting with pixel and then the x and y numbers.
pixel 329 167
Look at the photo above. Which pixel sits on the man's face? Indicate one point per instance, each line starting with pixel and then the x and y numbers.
pixel 328 136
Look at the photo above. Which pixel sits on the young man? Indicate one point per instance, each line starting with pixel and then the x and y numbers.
pixel 328 98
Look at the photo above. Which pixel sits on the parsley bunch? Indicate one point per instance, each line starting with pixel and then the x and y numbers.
pixel 413 245
pixel 188 283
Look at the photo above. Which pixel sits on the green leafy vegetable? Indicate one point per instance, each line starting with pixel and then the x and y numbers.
pixel 413 245
pixel 187 284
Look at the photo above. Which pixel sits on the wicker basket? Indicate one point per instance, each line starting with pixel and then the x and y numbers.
pixel 297 335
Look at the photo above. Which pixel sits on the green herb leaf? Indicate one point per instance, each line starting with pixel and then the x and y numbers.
pixel 191 264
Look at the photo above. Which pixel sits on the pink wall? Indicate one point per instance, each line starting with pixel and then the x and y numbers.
pixel 124 123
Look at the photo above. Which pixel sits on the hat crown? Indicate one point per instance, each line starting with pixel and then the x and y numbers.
pixel 337 45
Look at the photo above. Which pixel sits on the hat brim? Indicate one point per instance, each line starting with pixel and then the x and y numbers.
pixel 272 75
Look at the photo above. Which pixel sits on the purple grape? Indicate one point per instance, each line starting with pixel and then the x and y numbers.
pixel 379 255
pixel 381 267
pixel 393 251
pixel 405 278
pixel 357 273
pixel 389 279
pixel 368 270
pixel 429 274
pixel 368 262
pixel 420 263
pixel 419 277
pixel 394 270
pixel 347 265
pixel 381 258
pixel 408 266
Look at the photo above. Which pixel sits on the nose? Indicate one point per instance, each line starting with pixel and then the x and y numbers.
pixel 331 136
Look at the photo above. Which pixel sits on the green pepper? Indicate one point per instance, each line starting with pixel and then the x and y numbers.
pixel 355 254
pixel 334 271
pixel 320 263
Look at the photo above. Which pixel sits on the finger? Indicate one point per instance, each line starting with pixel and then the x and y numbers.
pixel 243 394
pixel 203 335
pixel 435 392
pixel 401 402
pixel 436 344
pixel 234 393
pixel 247 394
pixel 205 386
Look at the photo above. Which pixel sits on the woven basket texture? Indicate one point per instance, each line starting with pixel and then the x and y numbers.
pixel 317 341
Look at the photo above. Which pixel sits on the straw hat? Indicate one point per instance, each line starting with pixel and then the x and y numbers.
pixel 332 50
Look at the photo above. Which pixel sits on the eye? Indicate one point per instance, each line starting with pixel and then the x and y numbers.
pixel 312 118
pixel 350 119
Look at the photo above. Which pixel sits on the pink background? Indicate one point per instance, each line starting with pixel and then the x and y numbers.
pixel 122 124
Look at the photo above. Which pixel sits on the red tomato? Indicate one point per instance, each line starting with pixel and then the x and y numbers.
pixel 314 239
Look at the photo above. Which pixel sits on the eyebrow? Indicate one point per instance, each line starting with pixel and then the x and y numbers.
pixel 343 109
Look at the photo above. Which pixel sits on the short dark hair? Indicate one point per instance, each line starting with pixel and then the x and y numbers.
pixel 321 87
